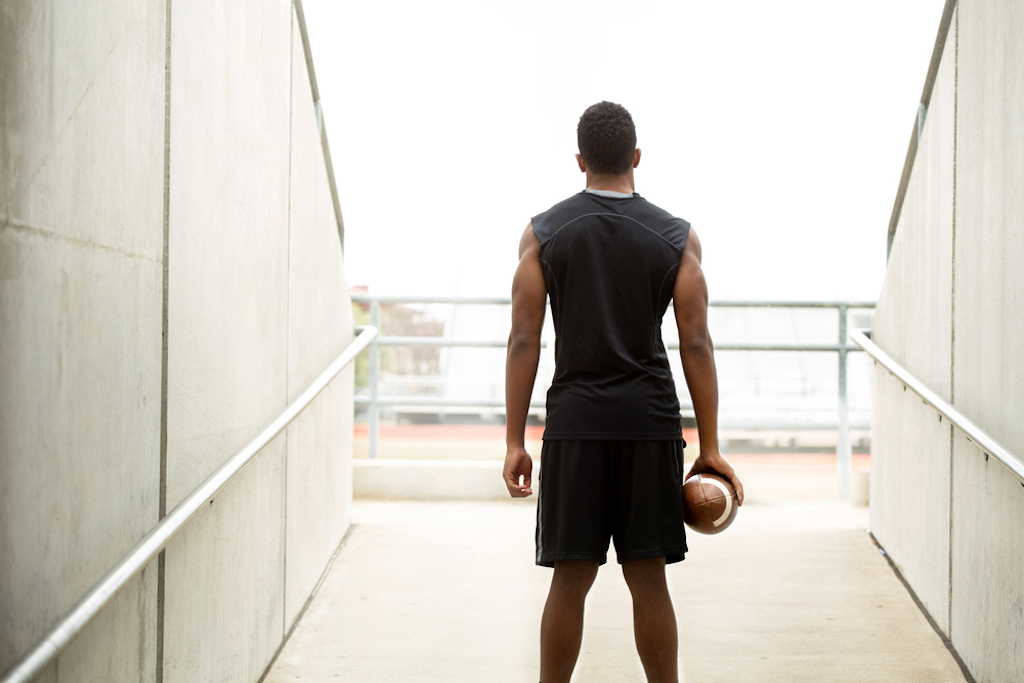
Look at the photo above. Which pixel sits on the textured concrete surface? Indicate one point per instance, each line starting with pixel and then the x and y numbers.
pixel 228 332
pixel 429 480
pixel 449 592
pixel 987 610
pixel 987 600
pixel 228 252
pixel 951 311
pixel 256 307
pixel 319 462
pixel 913 324
pixel 910 496
pixel 81 247
pixel 914 312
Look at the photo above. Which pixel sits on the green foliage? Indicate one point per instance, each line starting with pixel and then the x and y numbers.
pixel 361 316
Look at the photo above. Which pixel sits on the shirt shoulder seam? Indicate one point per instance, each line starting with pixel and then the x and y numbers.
pixel 617 215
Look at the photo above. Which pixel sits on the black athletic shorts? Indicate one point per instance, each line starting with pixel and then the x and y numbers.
pixel 593 491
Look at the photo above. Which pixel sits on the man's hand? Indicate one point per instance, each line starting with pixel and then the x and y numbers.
pixel 712 461
pixel 518 463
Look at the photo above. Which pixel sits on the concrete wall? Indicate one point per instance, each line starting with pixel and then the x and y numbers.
pixel 952 311
pixel 319 462
pixel 256 307
pixel 988 352
pixel 81 253
pixel 913 324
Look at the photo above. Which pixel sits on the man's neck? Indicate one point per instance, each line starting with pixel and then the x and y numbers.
pixel 612 183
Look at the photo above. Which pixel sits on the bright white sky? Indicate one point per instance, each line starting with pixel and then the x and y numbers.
pixel 777 129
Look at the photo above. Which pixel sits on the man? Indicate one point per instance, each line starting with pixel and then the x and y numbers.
pixel 613 452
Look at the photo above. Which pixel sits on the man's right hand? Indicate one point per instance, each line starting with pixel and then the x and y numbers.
pixel 712 461
pixel 518 463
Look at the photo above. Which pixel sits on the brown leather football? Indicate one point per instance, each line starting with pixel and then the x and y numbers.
pixel 709 502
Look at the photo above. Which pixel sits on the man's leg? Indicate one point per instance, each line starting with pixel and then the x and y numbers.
pixel 654 619
pixel 561 628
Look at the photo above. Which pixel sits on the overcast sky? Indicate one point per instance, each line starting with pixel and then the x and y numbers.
pixel 777 129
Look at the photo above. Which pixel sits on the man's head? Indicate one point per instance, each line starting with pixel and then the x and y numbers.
pixel 607 138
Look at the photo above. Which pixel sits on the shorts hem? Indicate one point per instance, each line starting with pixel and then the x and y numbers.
pixel 671 555
pixel 549 559
pixel 614 436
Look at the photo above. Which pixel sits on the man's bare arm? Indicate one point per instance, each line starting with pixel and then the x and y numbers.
pixel 697 352
pixel 529 297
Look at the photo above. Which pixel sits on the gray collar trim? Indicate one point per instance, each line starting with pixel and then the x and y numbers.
pixel 610 194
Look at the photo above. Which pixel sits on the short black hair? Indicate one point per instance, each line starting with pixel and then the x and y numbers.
pixel 607 138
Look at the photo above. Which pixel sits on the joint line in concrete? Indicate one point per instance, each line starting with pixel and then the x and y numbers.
pixel 162 558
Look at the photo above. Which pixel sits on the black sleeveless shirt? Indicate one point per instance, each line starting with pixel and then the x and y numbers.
pixel 610 266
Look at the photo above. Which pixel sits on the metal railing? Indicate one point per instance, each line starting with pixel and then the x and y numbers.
pixel 973 432
pixel 68 627
pixel 919 119
pixel 300 17
pixel 374 400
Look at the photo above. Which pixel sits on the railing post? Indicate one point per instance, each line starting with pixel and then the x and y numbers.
pixel 844 460
pixel 374 411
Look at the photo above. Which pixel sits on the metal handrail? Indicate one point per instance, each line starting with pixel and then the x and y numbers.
pixel 445 342
pixel 365 298
pixel 68 627
pixel 976 434
pixel 300 17
pixel 919 118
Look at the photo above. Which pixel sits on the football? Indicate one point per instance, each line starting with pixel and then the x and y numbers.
pixel 709 502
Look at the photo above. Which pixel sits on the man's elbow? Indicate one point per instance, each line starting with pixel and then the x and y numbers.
pixel 522 342
pixel 696 344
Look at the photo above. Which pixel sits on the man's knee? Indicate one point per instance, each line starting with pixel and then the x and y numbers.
pixel 575 573
pixel 644 574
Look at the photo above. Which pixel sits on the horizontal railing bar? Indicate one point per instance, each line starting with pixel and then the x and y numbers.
pixel 759 426
pixel 687 412
pixel 728 346
pixel 790 304
pixel 359 297
pixel 972 431
pixel 438 401
pixel 672 346
pixel 69 626
pixel 445 342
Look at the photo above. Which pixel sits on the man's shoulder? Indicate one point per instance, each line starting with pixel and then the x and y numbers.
pixel 546 223
pixel 645 207
pixel 670 227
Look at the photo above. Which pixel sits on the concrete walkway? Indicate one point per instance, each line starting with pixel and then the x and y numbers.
pixel 448 592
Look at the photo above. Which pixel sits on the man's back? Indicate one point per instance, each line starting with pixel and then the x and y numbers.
pixel 610 262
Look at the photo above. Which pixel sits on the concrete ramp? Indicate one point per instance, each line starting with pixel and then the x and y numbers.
pixel 448 591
